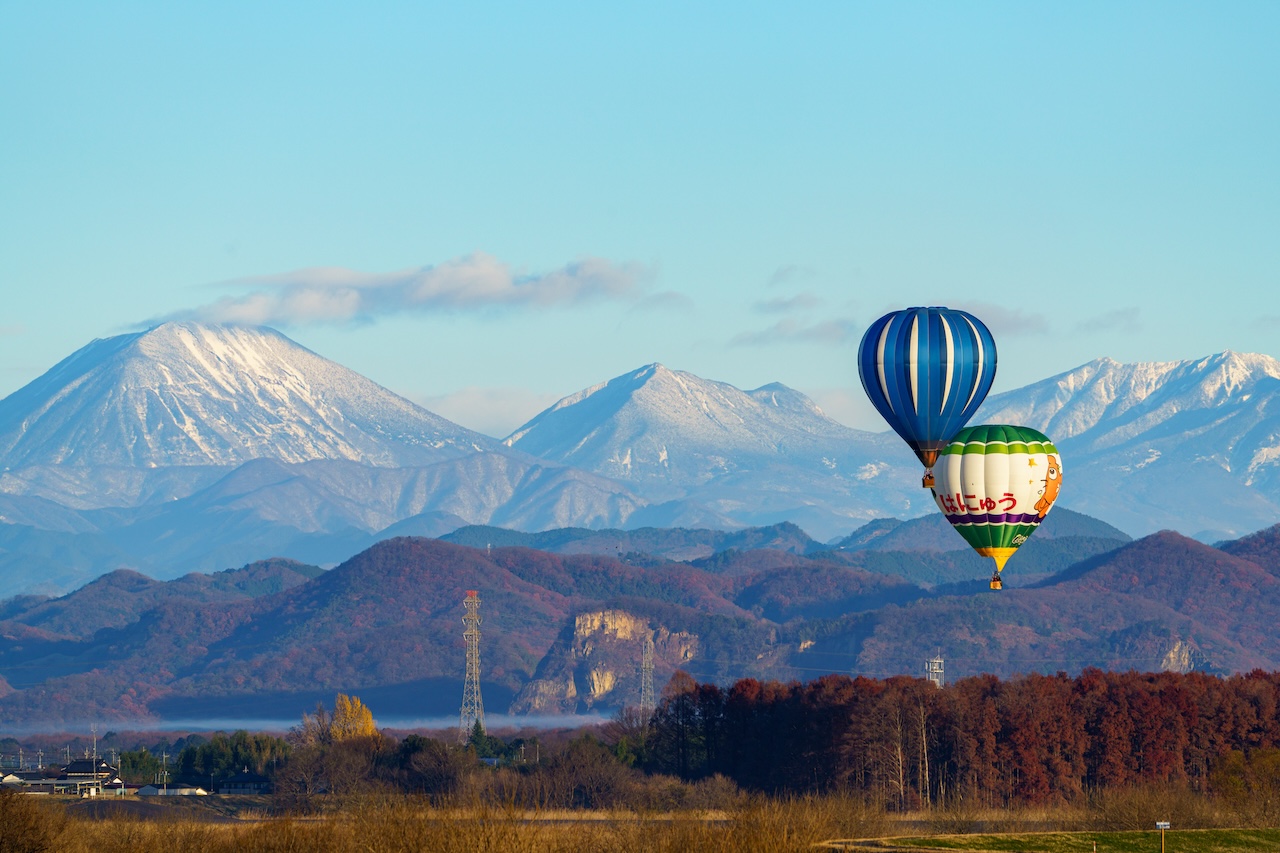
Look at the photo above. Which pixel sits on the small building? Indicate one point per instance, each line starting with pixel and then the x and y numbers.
pixel 41 781
pixel 173 789
pixel 89 770
pixel 87 777
pixel 245 783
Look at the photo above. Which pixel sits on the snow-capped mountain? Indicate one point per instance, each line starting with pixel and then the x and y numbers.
pixel 1192 445
pixel 755 457
pixel 193 446
pixel 188 394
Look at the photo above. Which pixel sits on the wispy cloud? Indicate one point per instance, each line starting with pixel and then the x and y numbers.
pixel 12 331
pixel 667 300
pixel 1003 320
pixel 1119 320
pixel 789 331
pixel 786 304
pixel 789 273
pixel 471 283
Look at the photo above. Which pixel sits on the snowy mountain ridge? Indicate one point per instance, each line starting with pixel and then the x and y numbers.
pixel 192 446
pixel 193 394
pixel 1123 400
pixel 637 415
pixel 1192 445
pixel 757 457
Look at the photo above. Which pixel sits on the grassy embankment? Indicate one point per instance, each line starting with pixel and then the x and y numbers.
pixel 400 823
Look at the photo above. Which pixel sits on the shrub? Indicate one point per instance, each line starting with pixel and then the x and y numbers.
pixel 28 825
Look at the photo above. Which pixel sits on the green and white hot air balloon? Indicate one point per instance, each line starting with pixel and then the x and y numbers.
pixel 995 483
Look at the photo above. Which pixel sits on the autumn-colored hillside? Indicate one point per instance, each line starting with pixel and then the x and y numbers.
pixel 119 598
pixel 269 639
pixel 1163 602
pixel 1261 548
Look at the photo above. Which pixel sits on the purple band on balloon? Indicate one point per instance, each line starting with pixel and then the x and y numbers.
pixel 994 518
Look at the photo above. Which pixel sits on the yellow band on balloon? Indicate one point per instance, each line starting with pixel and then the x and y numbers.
pixel 1000 555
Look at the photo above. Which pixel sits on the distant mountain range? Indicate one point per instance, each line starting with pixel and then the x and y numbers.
pixel 198 447
pixel 707 454
pixel 564 632
pixel 1189 445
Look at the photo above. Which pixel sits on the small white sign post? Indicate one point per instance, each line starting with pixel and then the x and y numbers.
pixel 1162 825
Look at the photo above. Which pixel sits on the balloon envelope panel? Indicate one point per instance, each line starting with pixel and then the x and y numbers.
pixel 995 484
pixel 926 370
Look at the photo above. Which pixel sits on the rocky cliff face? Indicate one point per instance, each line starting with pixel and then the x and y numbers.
pixel 595 664
pixel 1184 656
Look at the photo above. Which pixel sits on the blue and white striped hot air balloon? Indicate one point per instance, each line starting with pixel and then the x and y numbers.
pixel 926 371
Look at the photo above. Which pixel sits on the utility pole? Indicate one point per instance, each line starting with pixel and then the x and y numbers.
pixel 472 704
pixel 97 777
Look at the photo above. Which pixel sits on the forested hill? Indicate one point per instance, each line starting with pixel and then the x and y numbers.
pixel 565 631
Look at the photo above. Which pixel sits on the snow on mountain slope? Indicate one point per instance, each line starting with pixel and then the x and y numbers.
pixel 758 456
pixel 190 394
pixel 1113 402
pixel 1193 445
pixel 672 425
pixel 325 510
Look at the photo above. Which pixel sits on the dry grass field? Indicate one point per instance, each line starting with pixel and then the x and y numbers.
pixel 400 824
pixel 397 823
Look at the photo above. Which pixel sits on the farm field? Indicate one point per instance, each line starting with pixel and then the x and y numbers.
pixel 397 823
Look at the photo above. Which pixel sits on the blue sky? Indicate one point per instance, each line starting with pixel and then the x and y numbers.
pixel 488 207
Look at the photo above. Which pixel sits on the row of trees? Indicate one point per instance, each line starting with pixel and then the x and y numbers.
pixel 205 762
pixel 900 742
pixel 1034 739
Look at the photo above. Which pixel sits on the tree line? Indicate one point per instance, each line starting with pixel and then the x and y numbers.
pixel 1034 739
pixel 900 743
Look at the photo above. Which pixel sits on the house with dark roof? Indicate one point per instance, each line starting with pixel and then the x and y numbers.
pixel 89 770
pixel 83 776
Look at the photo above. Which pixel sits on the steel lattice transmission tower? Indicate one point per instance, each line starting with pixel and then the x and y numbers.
pixel 934 670
pixel 646 677
pixel 472 705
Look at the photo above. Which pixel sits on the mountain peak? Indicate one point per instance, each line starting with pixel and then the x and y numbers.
pixel 1191 444
pixel 1104 390
pixel 696 445
pixel 1170 566
pixel 655 407
pixel 188 393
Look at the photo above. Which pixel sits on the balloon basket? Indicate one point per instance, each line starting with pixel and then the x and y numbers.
pixel 996 583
